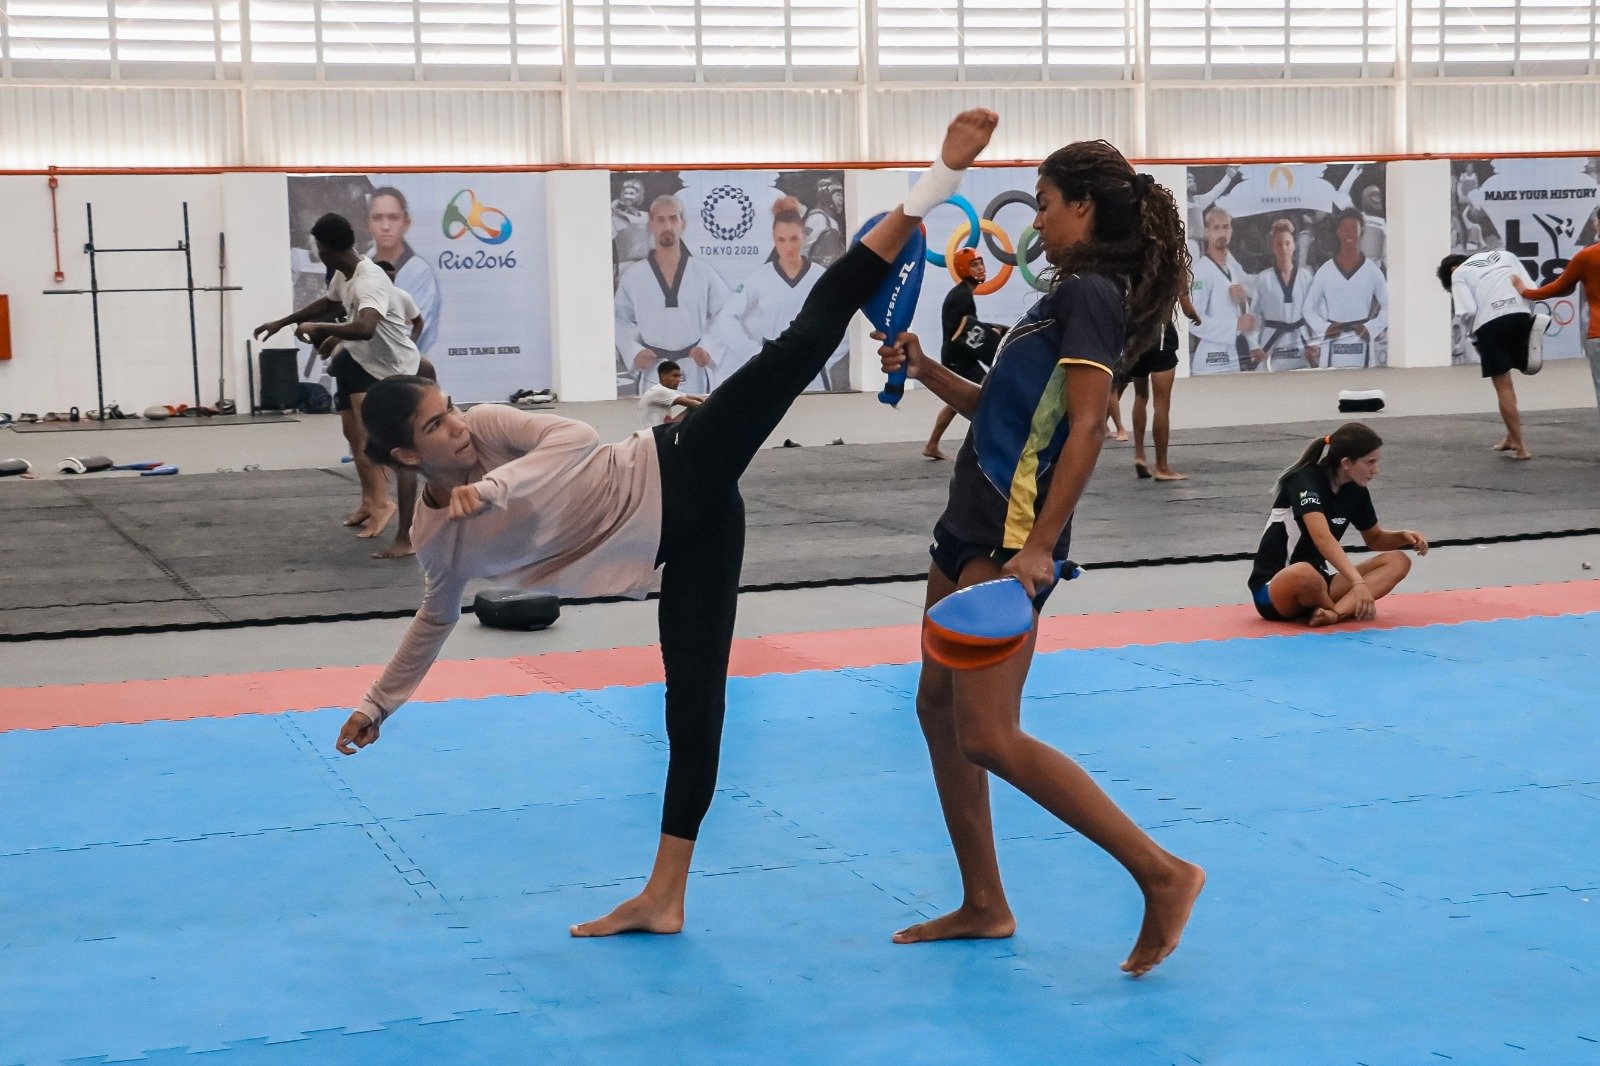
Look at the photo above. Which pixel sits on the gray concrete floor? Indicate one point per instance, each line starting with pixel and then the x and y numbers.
pixel 145 656
pixel 316 441
pixel 1198 403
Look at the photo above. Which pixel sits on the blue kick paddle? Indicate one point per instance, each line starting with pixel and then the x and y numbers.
pixel 890 308
pixel 983 624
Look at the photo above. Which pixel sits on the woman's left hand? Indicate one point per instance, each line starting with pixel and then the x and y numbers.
pixel 1417 541
pixel 1034 568
pixel 465 501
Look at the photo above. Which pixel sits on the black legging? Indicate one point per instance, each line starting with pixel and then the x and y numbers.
pixel 702 456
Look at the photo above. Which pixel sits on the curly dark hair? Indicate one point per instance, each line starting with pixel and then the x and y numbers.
pixel 1138 233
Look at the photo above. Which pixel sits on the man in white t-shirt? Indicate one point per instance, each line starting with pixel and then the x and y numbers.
pixel 406 478
pixel 1484 290
pixel 374 342
pixel 657 403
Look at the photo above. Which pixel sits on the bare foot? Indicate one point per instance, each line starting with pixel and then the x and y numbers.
pixel 1521 453
pixel 398 550
pixel 931 451
pixel 963 923
pixel 1166 473
pixel 1322 617
pixel 1166 912
pixel 637 915
pixel 1504 446
pixel 967 135
pixel 356 517
pixel 1121 435
pixel 1140 470
pixel 376 521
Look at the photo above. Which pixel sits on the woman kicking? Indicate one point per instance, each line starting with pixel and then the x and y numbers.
pixel 534 500
pixel 1323 494
pixel 1115 242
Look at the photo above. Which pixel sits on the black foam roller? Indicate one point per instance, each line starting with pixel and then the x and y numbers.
pixel 512 609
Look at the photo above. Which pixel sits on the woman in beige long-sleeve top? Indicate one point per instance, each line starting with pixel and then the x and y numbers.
pixel 536 501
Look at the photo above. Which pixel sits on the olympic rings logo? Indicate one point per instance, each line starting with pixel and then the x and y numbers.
pixel 973 228
pixel 477 219
pixel 1562 312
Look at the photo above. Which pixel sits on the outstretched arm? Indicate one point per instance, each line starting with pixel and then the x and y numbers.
pixel 316 309
pixel 440 610
pixel 1386 540
pixel 952 388
pixel 1561 286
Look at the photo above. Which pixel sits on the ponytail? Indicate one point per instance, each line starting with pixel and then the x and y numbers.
pixel 1350 441
pixel 1164 273
pixel 1138 234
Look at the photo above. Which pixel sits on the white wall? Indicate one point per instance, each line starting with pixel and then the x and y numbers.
pixel 1418 237
pixel 582 321
pixel 256 210
pixel 144 336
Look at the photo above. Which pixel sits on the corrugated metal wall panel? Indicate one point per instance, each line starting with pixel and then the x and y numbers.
pixel 1204 121
pixel 404 127
pixel 705 125
pixel 1505 116
pixel 1034 120
pixel 118 126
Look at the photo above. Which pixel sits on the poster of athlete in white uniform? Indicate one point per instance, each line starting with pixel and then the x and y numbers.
pixel 468 248
pixel 1290 266
pixel 706 270
pixel 1542 211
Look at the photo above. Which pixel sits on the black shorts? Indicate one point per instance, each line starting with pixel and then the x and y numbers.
pixel 1502 344
pixel 951 554
pixel 1154 361
pixel 350 378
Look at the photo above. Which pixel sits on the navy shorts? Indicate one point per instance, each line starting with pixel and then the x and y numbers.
pixel 1264 606
pixel 1263 601
pixel 951 554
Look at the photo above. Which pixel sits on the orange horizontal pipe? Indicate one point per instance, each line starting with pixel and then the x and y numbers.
pixel 538 168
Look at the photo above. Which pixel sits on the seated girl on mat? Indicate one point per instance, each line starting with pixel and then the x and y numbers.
pixel 1319 497
pixel 536 501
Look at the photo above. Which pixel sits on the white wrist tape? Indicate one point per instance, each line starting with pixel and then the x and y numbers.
pixel 937 184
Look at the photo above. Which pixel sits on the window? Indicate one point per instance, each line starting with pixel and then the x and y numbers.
pixel 1503 36
pixel 719 39
pixel 1004 39
pixel 1266 38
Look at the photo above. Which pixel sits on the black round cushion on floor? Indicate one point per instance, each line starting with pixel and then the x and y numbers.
pixel 512 609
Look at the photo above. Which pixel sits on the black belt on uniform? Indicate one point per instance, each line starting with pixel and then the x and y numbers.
pixel 1279 329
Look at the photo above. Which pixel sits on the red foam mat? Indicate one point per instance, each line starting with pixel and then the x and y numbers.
pixel 49 706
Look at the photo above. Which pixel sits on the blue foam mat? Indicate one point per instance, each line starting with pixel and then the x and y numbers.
pixel 1397 828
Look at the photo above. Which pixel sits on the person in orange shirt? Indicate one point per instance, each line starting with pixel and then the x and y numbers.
pixel 1585 268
